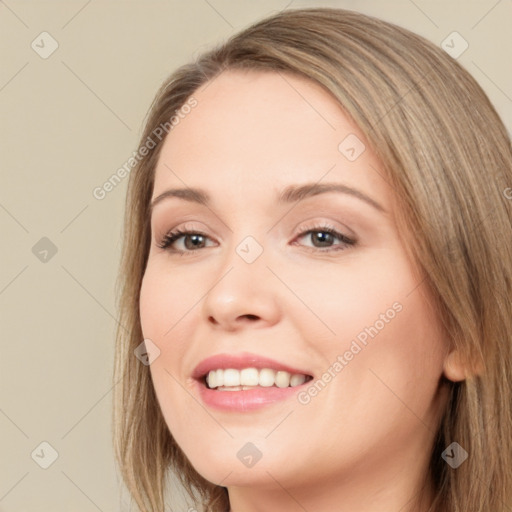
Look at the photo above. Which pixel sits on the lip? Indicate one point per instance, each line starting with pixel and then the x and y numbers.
pixel 244 400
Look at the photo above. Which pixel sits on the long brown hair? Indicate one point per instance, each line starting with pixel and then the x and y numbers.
pixel 448 157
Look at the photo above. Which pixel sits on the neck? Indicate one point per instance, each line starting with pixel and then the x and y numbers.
pixel 388 489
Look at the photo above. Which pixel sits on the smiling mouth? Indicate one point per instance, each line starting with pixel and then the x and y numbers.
pixel 231 379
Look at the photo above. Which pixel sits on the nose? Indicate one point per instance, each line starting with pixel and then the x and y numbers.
pixel 243 295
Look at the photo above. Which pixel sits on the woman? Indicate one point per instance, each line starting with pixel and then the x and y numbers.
pixel 317 271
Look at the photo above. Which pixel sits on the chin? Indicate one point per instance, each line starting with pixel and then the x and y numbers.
pixel 238 462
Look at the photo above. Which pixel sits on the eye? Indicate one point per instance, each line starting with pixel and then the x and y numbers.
pixel 322 238
pixel 193 240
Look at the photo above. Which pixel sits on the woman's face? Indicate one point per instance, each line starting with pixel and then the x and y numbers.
pixel 293 270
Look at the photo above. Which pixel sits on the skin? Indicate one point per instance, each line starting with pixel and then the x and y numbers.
pixel 363 443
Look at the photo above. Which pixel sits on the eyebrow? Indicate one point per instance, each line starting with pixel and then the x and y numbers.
pixel 290 194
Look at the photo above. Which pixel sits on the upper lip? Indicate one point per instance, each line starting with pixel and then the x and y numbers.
pixel 241 361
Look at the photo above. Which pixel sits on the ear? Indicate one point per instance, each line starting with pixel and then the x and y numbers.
pixel 457 368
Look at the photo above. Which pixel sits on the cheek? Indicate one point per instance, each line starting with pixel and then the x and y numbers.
pixel 165 302
pixel 388 348
pixel 167 319
pixel 368 298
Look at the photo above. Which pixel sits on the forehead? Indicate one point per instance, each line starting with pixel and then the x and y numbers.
pixel 255 128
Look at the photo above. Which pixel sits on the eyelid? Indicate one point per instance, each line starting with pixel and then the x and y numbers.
pixel 185 226
pixel 346 241
pixel 317 223
pixel 179 232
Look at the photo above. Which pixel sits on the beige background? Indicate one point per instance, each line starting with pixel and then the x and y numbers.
pixel 68 123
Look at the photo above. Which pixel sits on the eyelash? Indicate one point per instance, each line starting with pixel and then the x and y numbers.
pixel 172 236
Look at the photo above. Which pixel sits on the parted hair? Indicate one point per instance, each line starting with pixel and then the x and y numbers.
pixel 448 157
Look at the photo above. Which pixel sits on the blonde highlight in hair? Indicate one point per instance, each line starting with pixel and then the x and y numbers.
pixel 448 158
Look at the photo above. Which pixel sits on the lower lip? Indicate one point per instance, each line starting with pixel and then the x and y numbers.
pixel 246 400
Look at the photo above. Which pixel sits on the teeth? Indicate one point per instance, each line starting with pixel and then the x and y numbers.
pixel 297 380
pixel 267 377
pixel 237 380
pixel 211 379
pixel 250 377
pixel 283 379
pixel 231 378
